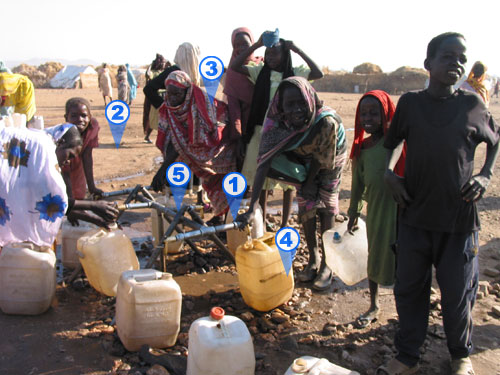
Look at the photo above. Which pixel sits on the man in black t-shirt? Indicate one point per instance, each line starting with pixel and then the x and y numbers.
pixel 439 223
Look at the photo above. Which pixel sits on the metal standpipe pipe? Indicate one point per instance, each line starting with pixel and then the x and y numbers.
pixel 203 231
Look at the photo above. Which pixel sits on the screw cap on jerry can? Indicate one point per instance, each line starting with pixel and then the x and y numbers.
pixel 217 313
pixel 336 237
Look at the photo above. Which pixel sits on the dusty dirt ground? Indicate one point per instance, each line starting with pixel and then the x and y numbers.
pixel 74 337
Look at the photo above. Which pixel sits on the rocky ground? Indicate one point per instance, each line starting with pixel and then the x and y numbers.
pixel 77 335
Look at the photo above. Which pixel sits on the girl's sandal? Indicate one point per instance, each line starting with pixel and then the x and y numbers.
pixel 364 320
pixel 395 367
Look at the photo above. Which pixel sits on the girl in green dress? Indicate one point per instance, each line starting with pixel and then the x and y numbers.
pixel 373 116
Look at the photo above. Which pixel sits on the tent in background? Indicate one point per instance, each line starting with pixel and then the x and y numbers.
pixel 69 76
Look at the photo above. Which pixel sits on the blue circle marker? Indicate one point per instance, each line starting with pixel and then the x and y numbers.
pixel 178 175
pixel 117 113
pixel 234 185
pixel 211 68
pixel 287 240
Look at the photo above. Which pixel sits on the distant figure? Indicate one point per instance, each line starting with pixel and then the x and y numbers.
pixel 475 82
pixel 497 88
pixel 132 84
pixel 105 83
pixel 123 86
pixel 150 113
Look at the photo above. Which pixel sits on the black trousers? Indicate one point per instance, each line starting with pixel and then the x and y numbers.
pixel 455 260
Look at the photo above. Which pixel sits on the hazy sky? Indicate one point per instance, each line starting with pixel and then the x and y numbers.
pixel 337 34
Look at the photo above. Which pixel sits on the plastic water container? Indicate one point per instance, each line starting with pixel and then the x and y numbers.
pixel 37 123
pixel 104 255
pixel 316 366
pixel 27 279
pixel 160 225
pixel 220 344
pixel 264 284
pixel 347 254
pixel 255 229
pixel 148 309
pixel 71 234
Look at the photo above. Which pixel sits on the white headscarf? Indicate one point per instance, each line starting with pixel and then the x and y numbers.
pixel 187 58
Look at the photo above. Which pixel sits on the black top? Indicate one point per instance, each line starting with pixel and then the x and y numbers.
pixel 158 83
pixel 442 136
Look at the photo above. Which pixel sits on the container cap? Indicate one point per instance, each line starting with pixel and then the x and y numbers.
pixel 336 236
pixel 217 313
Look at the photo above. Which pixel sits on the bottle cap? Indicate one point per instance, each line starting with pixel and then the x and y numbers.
pixel 217 313
pixel 336 236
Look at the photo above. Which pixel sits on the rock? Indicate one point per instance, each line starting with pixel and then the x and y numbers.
pixel 496 311
pixel 189 305
pixel 182 338
pixel 246 316
pixel 265 324
pixel 479 295
pixel 491 272
pixel 308 340
pixel 267 337
pixel 253 330
pixel 157 370
pixel 289 343
pixel 433 291
pixel 328 330
pixel 279 317
pixel 484 287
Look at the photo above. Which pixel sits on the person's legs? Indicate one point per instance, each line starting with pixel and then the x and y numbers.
pixel 324 278
pixel 412 291
pixel 457 275
pixel 310 271
pixel 368 317
pixel 263 203
pixel 287 207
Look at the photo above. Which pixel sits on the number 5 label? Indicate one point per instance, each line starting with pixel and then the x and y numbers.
pixel 287 239
pixel 178 174
pixel 234 184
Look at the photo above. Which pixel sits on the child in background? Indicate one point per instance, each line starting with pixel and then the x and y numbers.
pixel 373 116
pixel 80 173
pixel 439 222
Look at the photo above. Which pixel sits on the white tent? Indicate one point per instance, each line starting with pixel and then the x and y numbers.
pixel 68 76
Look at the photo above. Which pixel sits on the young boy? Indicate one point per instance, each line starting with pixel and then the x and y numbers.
pixel 80 173
pixel 439 222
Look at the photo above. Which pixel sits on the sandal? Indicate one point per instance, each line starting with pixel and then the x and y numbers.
pixel 395 367
pixel 461 366
pixel 364 320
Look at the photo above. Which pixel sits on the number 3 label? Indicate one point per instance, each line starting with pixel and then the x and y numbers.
pixel 178 174
pixel 117 112
pixel 287 239
pixel 211 68
pixel 234 184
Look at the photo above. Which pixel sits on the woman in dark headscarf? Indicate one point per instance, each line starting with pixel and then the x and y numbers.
pixel 266 76
pixel 304 144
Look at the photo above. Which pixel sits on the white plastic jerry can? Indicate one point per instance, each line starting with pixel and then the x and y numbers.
pixel 104 255
pixel 220 344
pixel 70 235
pixel 148 309
pixel 316 366
pixel 347 254
pixel 27 278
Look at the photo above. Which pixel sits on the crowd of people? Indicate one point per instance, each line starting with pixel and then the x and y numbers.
pixel 275 130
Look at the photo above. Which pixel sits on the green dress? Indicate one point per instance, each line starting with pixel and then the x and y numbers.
pixel 368 184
